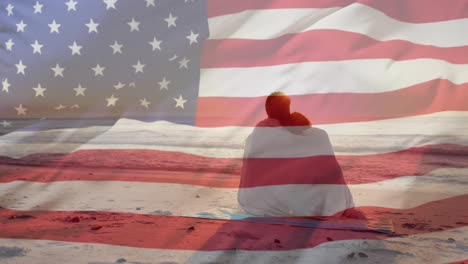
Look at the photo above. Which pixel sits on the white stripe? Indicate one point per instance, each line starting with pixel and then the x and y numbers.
pixel 428 248
pixel 349 76
pixel 360 138
pixel 358 18
pixel 166 198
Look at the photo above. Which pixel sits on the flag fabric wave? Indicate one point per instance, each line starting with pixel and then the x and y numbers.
pixel 125 124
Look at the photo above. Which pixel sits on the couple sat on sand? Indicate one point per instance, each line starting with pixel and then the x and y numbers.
pixel 289 167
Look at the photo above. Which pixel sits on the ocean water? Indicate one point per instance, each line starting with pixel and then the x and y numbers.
pixel 446 133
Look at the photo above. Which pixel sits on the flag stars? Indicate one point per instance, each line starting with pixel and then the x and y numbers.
pixel 111 101
pixel 9 9
pixel 20 27
pixel 54 27
pixel 180 102
pixel 5 85
pixel 92 26
pixel 98 70
pixel 138 67
pixel 71 5
pixel 39 90
pixel 155 44
pixel 183 63
pixel 192 37
pixel 37 47
pixel 20 67
pixel 75 48
pixel 20 110
pixel 149 3
pixel 116 47
pixel 80 90
pixel 9 44
pixel 38 7
pixel 164 84
pixel 134 25
pixel 60 107
pixel 110 4
pixel 6 124
pixel 144 103
pixel 119 86
pixel 58 71
pixel 171 20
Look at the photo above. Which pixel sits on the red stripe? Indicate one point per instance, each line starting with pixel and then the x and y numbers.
pixel 152 166
pixel 414 11
pixel 424 98
pixel 459 262
pixel 218 8
pixel 319 45
pixel 174 232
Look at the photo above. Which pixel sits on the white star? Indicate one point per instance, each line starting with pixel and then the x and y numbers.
pixel 39 90
pixel 180 102
pixel 20 27
pixel 38 7
pixel 164 84
pixel 9 8
pixel 98 70
pixel 132 84
pixel 60 107
pixel 6 123
pixel 111 100
pixel 92 27
pixel 145 103
pixel 138 67
pixel 149 3
pixel 20 67
pixel 192 37
pixel 54 27
pixel 110 4
pixel 75 106
pixel 75 48
pixel 21 110
pixel 80 90
pixel 119 86
pixel 58 71
pixel 183 63
pixel 171 20
pixel 9 44
pixel 5 85
pixel 36 47
pixel 71 5
pixel 134 25
pixel 116 47
pixel 156 44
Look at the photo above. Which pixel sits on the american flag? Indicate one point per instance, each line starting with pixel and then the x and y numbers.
pixel 124 122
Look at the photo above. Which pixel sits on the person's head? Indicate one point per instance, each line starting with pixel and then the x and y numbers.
pixel 277 106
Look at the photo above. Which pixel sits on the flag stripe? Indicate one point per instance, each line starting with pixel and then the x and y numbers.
pixel 318 45
pixel 415 11
pixel 104 165
pixel 175 232
pixel 250 25
pixel 171 199
pixel 413 248
pixel 321 77
pixel 425 98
